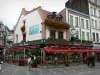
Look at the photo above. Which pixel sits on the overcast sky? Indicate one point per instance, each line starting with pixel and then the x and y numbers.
pixel 11 9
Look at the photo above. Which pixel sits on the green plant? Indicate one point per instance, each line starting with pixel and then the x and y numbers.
pixel 78 40
pixel 36 61
pixel 73 39
pixel 51 38
pixel 86 41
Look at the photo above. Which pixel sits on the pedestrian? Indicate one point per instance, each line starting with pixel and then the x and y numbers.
pixel 55 61
pixel 92 61
pixel 28 62
pixel 87 61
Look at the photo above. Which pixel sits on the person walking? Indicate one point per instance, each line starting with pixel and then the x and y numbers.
pixel 28 62
pixel 87 61
pixel 92 61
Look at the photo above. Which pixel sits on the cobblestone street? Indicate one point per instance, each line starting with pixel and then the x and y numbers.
pixel 8 69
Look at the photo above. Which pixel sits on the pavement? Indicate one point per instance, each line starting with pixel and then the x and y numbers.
pixel 9 69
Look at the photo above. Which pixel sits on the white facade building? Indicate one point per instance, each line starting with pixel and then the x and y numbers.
pixel 94 13
pixel 92 9
pixel 35 27
pixel 80 22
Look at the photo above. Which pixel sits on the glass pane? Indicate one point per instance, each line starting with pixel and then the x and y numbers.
pixel 71 20
pixel 76 21
pixel 60 35
pixel 87 35
pixel 93 36
pixel 87 26
pixel 82 22
pixel 82 35
pixel 52 34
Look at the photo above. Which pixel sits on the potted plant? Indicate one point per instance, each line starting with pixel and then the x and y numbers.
pixel 34 64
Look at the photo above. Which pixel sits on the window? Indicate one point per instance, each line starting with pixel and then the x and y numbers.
pixel 88 36
pixel 76 21
pixel 71 20
pixel 93 36
pixel 87 25
pixel 99 25
pixel 1 41
pixel 99 12
pixel 91 11
pixel 94 12
pixel 77 35
pixel 60 35
pixel 83 35
pixel 82 22
pixel 52 34
pixel 95 23
pixel 97 37
pixel 92 23
pixel 0 33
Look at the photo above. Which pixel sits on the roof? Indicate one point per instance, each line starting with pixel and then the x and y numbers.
pixel 96 2
pixel 7 28
pixel 43 13
pixel 63 13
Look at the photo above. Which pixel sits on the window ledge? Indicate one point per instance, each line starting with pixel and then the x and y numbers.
pixel 96 28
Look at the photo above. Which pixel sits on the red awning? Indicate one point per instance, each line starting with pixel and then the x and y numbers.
pixel 57 50
pixel 20 48
pixel 61 50
pixel 96 50
pixel 10 50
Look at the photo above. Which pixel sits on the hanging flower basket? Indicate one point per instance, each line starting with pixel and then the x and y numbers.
pixel 56 23
pixel 23 28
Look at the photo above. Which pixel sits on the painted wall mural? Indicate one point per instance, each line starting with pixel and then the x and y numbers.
pixel 34 29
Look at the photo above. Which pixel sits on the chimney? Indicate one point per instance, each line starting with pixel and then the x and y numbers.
pixel 23 11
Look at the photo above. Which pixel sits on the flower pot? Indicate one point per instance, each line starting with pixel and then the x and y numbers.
pixel 34 65
pixel 21 62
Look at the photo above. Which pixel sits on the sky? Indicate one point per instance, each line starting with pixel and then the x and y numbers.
pixel 10 9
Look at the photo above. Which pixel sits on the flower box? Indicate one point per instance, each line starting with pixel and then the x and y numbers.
pixel 34 64
pixel 23 28
pixel 21 62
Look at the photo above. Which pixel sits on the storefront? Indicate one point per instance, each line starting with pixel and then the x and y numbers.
pixel 54 52
pixel 45 35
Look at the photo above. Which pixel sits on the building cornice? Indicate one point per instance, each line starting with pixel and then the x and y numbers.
pixel 77 12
